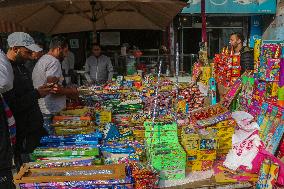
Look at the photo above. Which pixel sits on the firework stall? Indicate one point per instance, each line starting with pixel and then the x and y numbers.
pixel 157 132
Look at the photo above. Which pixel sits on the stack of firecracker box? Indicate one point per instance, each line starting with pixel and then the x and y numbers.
pixel 74 121
pixel 227 67
pixel 200 149
pixel 163 150
pixel 203 147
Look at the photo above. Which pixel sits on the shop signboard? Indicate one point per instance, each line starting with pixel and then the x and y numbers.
pixel 233 6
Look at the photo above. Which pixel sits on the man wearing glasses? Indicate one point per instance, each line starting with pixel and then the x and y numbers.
pixel 99 66
pixel 23 98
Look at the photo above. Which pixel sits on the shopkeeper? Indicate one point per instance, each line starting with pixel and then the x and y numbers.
pixel 99 66
pixel 246 54
pixel 48 71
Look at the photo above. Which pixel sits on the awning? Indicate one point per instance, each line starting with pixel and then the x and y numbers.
pixel 8 27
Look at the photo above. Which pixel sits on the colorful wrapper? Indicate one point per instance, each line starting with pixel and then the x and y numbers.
pixel 263 175
pixel 281 79
pixel 273 175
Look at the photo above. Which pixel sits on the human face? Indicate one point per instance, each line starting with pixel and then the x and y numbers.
pixel 62 53
pixel 235 41
pixel 22 54
pixel 37 55
pixel 96 51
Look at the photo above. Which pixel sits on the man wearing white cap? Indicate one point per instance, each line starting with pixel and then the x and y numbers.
pixel 23 98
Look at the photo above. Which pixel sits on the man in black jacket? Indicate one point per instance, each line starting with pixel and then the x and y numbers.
pixel 23 98
pixel 247 62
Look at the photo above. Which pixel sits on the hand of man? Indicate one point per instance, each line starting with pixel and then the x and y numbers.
pixel 56 89
pixel 43 90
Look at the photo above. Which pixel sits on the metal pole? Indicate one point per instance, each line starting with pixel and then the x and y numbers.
pixel 94 20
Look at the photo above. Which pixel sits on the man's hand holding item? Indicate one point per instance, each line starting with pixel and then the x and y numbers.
pixel 44 90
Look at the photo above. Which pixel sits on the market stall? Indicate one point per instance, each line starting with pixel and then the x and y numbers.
pixel 153 131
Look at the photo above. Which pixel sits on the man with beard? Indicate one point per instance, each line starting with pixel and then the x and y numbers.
pixel 48 71
pixel 246 54
pixel 23 98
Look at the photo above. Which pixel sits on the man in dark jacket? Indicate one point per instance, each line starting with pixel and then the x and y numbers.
pixel 23 98
pixel 247 62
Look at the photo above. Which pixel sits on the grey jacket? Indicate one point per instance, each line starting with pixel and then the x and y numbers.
pixel 100 68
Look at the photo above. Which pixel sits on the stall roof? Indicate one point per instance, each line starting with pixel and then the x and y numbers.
pixel 61 16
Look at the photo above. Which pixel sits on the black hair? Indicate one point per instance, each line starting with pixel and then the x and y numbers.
pixel 96 44
pixel 58 42
pixel 40 44
pixel 239 36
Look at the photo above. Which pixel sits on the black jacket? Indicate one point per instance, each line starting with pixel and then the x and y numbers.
pixel 247 62
pixel 23 101
pixel 5 145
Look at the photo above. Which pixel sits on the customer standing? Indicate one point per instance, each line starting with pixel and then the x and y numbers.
pixel 23 98
pixel 48 71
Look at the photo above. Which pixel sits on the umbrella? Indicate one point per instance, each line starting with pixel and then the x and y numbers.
pixel 66 16
pixel 9 27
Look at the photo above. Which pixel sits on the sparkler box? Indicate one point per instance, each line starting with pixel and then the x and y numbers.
pixel 161 133
pixel 164 151
pixel 167 160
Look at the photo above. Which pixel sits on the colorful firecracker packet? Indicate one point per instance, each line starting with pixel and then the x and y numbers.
pixel 145 177
pixel 268 175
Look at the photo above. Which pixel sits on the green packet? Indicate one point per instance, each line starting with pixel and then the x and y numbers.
pixel 63 153
pixel 281 93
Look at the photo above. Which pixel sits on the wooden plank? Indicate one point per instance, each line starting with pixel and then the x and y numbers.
pixel 25 174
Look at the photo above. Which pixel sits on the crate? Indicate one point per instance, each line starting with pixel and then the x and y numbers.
pixel 57 174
